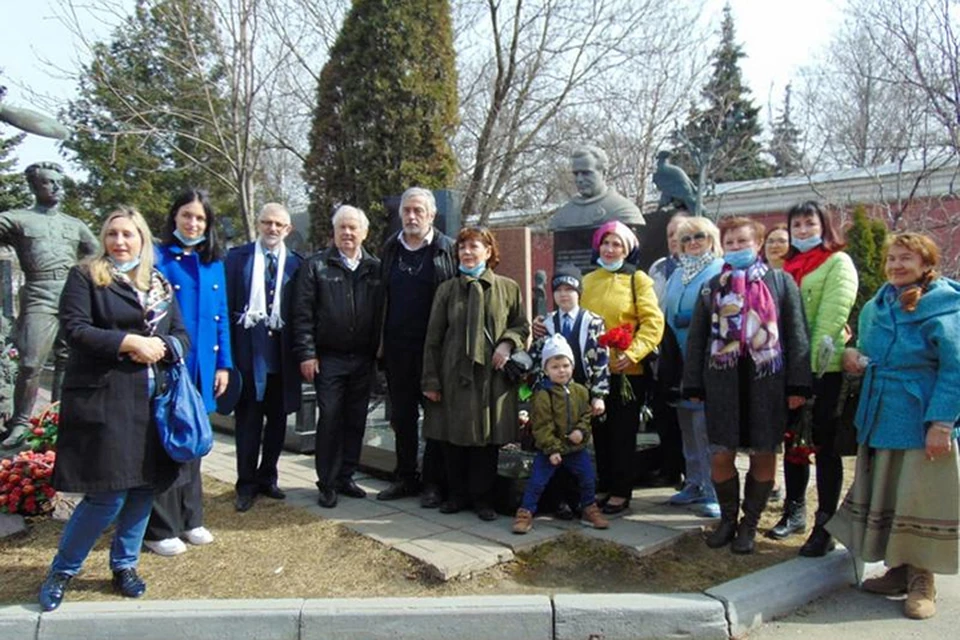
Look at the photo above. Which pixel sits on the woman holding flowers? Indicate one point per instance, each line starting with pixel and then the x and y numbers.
pixel 828 285
pixel 119 317
pixel 623 296
pixel 748 360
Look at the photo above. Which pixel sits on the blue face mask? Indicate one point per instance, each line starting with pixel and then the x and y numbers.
pixel 740 259
pixel 612 267
pixel 475 272
pixel 806 244
pixel 187 242
pixel 124 267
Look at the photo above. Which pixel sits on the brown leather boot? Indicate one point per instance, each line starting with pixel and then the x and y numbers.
pixel 892 583
pixel 593 518
pixel 523 521
pixel 921 594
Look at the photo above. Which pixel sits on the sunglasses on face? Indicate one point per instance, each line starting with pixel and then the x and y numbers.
pixel 699 236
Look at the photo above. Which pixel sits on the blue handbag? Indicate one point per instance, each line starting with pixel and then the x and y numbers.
pixel 179 413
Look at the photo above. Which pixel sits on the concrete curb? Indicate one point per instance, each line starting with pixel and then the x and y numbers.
pixel 727 610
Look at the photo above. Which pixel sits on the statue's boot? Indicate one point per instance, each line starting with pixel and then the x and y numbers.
pixel 17 433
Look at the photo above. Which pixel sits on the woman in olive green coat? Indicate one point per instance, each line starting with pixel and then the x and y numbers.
pixel 476 322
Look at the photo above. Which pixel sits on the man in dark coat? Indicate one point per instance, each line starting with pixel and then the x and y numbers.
pixel 415 262
pixel 260 282
pixel 338 308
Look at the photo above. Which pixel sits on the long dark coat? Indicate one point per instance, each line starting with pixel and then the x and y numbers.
pixel 484 412
pixel 762 406
pixel 107 440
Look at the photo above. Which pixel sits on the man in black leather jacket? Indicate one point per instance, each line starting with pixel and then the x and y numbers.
pixel 415 261
pixel 336 319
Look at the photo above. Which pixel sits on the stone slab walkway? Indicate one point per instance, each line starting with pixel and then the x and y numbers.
pixel 458 544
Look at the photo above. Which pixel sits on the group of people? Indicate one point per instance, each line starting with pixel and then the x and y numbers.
pixel 739 343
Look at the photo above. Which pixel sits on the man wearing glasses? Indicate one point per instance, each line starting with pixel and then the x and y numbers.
pixel 415 261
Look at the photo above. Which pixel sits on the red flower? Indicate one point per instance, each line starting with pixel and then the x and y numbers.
pixel 620 337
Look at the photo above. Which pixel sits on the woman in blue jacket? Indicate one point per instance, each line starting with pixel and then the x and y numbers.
pixel 190 259
pixel 904 506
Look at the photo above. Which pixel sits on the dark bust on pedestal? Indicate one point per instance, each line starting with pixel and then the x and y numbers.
pixel 595 202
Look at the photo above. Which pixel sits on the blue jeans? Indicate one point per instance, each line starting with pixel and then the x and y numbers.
pixel 579 464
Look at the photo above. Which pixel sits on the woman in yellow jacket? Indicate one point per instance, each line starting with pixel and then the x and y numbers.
pixel 621 294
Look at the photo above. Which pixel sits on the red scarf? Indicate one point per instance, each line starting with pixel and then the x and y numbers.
pixel 804 263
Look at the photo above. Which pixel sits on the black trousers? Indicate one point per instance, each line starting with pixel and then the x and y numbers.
pixel 471 473
pixel 668 428
pixel 179 508
pixel 615 440
pixel 343 392
pixel 259 426
pixel 404 368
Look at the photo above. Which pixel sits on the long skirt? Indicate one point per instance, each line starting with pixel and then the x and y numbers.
pixel 902 509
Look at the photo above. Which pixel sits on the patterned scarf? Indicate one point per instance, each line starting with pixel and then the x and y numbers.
pixel 745 315
pixel 155 301
pixel 693 265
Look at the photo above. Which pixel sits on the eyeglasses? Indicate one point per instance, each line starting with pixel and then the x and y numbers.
pixel 699 236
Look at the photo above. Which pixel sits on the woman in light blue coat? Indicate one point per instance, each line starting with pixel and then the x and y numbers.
pixel 190 259
pixel 904 506
pixel 700 260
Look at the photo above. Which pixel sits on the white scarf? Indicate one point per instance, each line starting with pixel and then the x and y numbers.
pixel 257 305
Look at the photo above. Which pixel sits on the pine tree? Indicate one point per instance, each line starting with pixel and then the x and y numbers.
pixel 784 145
pixel 865 240
pixel 727 124
pixel 134 135
pixel 14 193
pixel 386 108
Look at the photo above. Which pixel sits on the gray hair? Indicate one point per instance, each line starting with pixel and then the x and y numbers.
pixel 349 210
pixel 273 207
pixel 414 192
pixel 598 155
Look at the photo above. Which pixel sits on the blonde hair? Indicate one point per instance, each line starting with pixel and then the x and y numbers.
pixel 101 268
pixel 929 253
pixel 695 224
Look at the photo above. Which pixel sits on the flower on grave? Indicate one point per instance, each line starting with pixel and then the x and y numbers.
pixel 25 486
pixel 42 435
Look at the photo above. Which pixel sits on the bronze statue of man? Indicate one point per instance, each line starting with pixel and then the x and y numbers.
pixel 595 202
pixel 47 243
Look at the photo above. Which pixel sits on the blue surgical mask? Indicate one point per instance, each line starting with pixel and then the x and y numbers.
pixel 612 267
pixel 187 242
pixel 805 244
pixel 124 267
pixel 740 259
pixel 474 272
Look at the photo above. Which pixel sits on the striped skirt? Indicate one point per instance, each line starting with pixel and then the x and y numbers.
pixel 903 509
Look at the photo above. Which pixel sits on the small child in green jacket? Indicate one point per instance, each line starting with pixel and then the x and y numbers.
pixel 561 429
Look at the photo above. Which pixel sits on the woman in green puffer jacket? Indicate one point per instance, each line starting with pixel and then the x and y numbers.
pixel 828 284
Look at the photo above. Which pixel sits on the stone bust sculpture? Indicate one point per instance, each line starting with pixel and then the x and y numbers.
pixel 47 243
pixel 595 202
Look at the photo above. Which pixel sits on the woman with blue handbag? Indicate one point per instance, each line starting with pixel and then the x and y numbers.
pixel 189 257
pixel 121 320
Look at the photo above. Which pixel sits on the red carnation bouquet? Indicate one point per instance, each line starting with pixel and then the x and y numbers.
pixel 25 483
pixel 798 439
pixel 619 339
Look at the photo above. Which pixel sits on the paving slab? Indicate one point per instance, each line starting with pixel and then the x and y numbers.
pixel 641 538
pixel 621 616
pixel 351 510
pixel 11 524
pixel 396 528
pixel 455 553
pixel 499 531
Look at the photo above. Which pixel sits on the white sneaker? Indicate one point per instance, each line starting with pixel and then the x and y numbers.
pixel 166 547
pixel 198 536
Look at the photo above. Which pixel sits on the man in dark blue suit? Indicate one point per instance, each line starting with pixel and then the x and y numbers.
pixel 260 281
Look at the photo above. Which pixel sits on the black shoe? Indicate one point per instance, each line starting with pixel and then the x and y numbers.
pixel 486 513
pixel 399 489
pixel 244 502
pixel 328 498
pixel 431 498
pixel 351 489
pixel 272 491
pixel 451 506
pixel 794 520
pixel 52 590
pixel 613 509
pixel 563 511
pixel 755 495
pixel 728 495
pixel 820 541
pixel 128 583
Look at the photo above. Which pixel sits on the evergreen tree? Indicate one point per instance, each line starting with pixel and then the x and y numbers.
pixel 784 147
pixel 865 240
pixel 134 133
pixel 726 127
pixel 14 193
pixel 386 108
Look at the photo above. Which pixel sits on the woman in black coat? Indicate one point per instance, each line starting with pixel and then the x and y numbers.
pixel 119 317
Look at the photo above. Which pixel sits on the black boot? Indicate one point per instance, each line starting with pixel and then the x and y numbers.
pixel 728 495
pixel 755 496
pixel 819 542
pixel 794 520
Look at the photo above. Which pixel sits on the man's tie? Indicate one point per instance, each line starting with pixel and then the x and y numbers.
pixel 270 277
pixel 566 328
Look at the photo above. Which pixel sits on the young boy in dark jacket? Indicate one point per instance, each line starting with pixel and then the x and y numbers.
pixel 561 429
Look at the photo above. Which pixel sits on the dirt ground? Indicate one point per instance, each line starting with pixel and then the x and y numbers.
pixel 278 551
